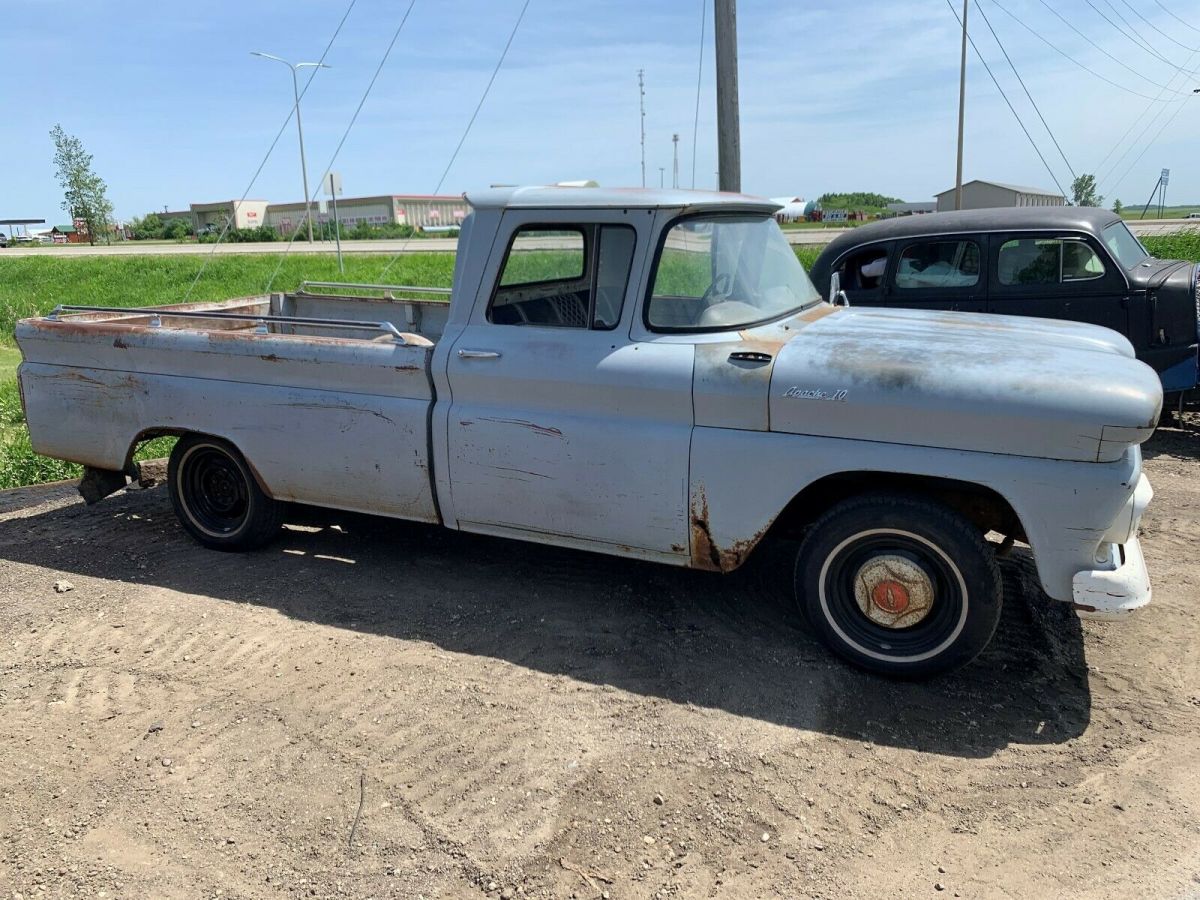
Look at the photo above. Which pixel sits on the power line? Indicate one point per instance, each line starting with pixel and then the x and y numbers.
pixel 699 78
pixel 1136 36
pixel 1154 27
pixel 1068 56
pixel 478 106
pixel 342 142
pixel 1115 59
pixel 1132 126
pixel 1176 18
pixel 1011 108
pixel 1036 109
pixel 1147 147
pixel 270 150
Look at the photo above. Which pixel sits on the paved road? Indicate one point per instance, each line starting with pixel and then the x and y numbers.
pixel 806 236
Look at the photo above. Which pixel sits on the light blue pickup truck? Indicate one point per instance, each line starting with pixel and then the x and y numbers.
pixel 648 374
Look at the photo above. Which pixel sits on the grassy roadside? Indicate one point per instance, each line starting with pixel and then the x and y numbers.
pixel 33 285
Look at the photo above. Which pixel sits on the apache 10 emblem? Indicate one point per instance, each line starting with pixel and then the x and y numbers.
pixel 799 393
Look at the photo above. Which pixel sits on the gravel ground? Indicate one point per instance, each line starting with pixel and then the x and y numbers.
pixel 505 720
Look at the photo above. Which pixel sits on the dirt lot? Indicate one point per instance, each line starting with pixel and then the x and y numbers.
pixel 522 721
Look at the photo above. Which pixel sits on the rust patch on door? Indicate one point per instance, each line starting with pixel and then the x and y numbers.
pixel 706 554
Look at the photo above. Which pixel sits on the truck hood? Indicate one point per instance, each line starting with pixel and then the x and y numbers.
pixel 997 384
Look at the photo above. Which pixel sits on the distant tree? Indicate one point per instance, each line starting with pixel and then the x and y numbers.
pixel 147 228
pixel 856 200
pixel 176 229
pixel 85 195
pixel 1117 207
pixel 1083 191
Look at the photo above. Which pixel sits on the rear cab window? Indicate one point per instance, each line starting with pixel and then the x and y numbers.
pixel 564 276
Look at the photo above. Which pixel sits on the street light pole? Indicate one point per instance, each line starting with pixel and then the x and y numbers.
pixel 299 127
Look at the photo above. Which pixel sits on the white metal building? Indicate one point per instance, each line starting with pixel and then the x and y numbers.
pixel 417 210
pixel 243 213
pixel 980 194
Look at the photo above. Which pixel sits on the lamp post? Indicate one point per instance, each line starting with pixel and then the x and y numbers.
pixel 299 128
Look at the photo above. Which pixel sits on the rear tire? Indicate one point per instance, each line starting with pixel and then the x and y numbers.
pixel 899 586
pixel 216 498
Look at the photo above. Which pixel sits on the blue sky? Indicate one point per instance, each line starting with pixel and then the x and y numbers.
pixel 834 95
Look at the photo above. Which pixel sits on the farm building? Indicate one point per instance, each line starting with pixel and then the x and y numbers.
pixel 980 194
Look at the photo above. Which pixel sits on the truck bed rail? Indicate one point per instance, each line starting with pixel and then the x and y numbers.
pixel 384 291
pixel 157 314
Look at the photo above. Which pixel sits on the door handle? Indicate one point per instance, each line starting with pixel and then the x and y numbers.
pixel 478 354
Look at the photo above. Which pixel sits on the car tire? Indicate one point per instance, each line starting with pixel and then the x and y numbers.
pixel 899 585
pixel 216 497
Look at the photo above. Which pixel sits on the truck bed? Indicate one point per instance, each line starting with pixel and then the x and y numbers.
pixel 96 382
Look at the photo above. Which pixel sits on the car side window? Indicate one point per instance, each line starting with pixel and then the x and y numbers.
pixel 863 270
pixel 1047 261
pixel 564 276
pixel 938 264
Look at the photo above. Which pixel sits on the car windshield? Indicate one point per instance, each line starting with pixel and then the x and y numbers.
pixel 1124 246
pixel 721 272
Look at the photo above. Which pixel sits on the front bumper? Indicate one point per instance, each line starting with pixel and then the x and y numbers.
pixel 1113 593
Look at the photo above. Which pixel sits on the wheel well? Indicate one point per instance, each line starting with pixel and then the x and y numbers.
pixel 149 434
pixel 984 507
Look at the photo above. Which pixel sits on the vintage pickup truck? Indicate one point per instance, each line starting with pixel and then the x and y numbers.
pixel 649 374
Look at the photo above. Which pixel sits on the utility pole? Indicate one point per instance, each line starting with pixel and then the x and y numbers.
pixel 729 139
pixel 675 164
pixel 662 171
pixel 299 128
pixel 642 104
pixel 962 110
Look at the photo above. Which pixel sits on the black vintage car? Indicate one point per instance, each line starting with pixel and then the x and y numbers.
pixel 1075 263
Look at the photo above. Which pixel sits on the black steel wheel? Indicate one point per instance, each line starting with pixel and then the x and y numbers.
pixel 216 497
pixel 899 585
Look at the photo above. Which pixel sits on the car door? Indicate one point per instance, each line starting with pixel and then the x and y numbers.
pixel 1057 276
pixel 943 272
pixel 561 426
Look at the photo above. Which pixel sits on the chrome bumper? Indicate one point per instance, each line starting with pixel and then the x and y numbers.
pixel 1110 594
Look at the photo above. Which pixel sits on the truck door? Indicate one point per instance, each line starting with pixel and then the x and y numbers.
pixel 939 273
pixel 1057 276
pixel 560 425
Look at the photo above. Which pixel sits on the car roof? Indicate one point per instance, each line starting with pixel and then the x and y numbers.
pixel 1088 219
pixel 554 197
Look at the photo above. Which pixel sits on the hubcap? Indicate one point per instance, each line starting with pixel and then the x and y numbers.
pixel 893 591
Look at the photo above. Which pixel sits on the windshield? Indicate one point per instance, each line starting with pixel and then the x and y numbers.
pixel 1124 246
pixel 721 272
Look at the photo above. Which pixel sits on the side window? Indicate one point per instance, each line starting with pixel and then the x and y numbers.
pixel 613 260
pixel 564 277
pixel 863 270
pixel 938 264
pixel 1047 261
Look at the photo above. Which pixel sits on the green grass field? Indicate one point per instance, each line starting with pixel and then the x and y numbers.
pixel 1134 213
pixel 31 286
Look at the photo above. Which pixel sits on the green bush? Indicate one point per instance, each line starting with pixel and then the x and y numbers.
pixel 1180 245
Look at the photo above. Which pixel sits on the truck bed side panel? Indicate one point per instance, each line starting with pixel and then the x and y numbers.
pixel 337 423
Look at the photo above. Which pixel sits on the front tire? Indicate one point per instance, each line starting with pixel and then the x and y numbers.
pixel 216 498
pixel 899 586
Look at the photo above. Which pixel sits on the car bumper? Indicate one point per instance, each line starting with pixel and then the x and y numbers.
pixel 1113 593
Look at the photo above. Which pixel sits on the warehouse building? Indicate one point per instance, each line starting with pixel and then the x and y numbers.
pixel 991 194
pixel 241 213
pixel 417 210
